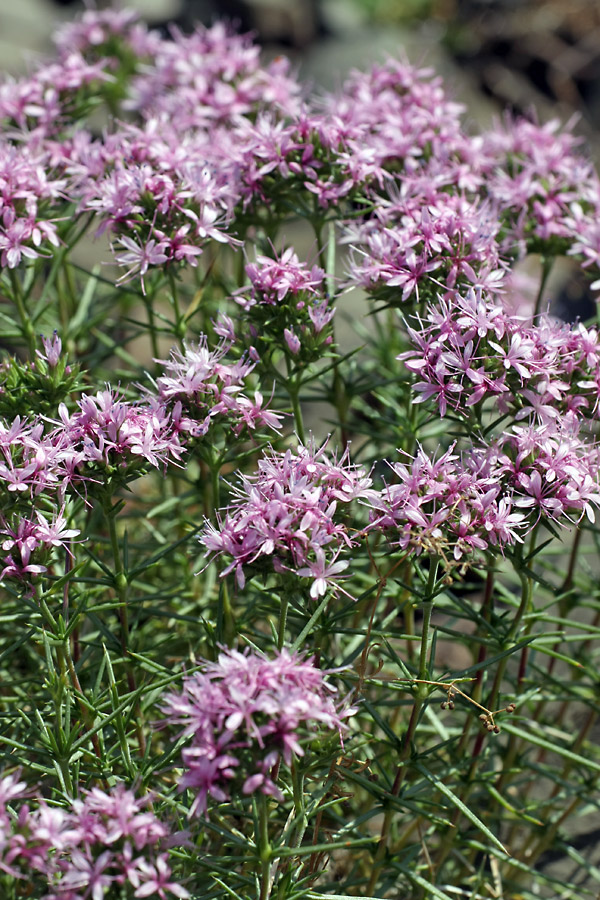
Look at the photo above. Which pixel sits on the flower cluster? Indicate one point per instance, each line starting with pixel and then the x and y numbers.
pixel 284 302
pixel 117 438
pixel 470 350
pixel 458 506
pixel 35 473
pixel 211 76
pixel 244 713
pixel 44 105
pixel 534 176
pixel 452 506
pixel 27 190
pixel 416 244
pixel 102 840
pixel 99 33
pixel 200 388
pixel 553 470
pixel 290 517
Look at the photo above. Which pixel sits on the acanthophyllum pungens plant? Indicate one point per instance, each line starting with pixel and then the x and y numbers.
pixel 287 615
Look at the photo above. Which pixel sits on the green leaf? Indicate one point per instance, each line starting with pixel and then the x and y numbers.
pixel 548 745
pixel 467 813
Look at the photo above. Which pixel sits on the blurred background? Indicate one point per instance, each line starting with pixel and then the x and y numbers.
pixel 500 52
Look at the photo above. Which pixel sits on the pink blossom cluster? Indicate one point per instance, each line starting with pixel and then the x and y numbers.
pixel 105 840
pixel 538 182
pixel 100 32
pixel 285 301
pixel 553 470
pixel 200 388
pixel 36 469
pixel 400 112
pixel 244 714
pixel 453 506
pixel 217 139
pixel 417 243
pixel 212 76
pixel 469 350
pixel 27 187
pixel 160 198
pixel 107 440
pixel 117 437
pixel 291 517
pixel 458 506
pixel 45 104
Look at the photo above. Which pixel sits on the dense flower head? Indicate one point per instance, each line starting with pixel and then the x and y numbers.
pixel 46 103
pixel 453 506
pixel 28 543
pixel 414 245
pixel 200 388
pixel 114 436
pixel 286 300
pixel 210 75
pixel 290 517
pixel 310 161
pixel 534 176
pixel 458 506
pixel 553 470
pixel 36 471
pixel 159 207
pixel 244 713
pixel 273 279
pixel 29 196
pixel 469 349
pixel 105 839
pixel 33 461
pixel 400 111
pixel 95 32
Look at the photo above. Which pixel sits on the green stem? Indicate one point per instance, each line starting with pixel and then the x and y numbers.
pixel 264 848
pixel 547 263
pixel 421 694
pixel 148 303
pixel 299 809
pixel 283 611
pixel 121 584
pixel 293 386
pixel 179 321
pixel 26 325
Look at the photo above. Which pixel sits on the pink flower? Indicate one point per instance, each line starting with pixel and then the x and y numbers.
pixel 245 712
